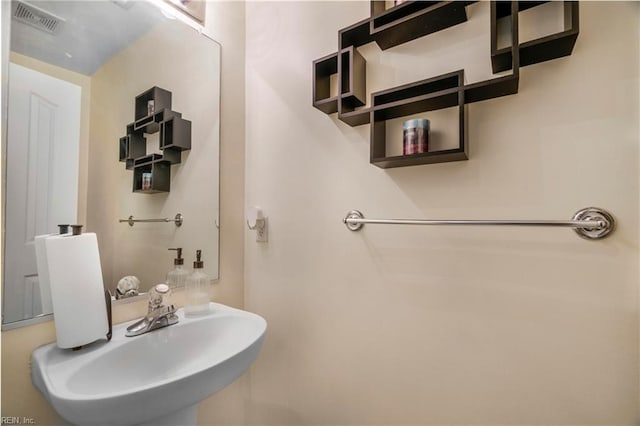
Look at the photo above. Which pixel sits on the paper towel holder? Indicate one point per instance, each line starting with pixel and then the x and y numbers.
pixel 107 301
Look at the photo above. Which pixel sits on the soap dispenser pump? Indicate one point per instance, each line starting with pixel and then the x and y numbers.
pixel 197 289
pixel 178 275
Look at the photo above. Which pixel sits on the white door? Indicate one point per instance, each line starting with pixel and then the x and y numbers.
pixel 43 142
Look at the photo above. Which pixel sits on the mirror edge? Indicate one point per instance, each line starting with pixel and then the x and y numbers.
pixel 5 31
pixel 204 32
pixel 27 322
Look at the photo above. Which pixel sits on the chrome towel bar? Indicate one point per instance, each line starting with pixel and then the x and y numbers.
pixel 131 221
pixel 591 223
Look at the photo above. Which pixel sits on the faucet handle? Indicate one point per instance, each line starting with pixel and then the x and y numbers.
pixel 162 311
pixel 160 317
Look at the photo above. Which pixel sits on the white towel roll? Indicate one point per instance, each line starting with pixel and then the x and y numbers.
pixel 77 289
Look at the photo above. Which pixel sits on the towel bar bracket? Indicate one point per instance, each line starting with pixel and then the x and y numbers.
pixel 598 215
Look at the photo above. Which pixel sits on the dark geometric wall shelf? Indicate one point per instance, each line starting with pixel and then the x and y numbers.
pixel 323 69
pixel 153 114
pixel 435 93
pixel 175 137
pixel 353 90
pixel 132 146
pixel 160 170
pixel 411 20
pixel 539 50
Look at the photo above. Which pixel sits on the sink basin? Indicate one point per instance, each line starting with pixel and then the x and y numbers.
pixel 155 378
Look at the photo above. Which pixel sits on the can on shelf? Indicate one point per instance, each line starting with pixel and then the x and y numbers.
pixel 146 181
pixel 415 136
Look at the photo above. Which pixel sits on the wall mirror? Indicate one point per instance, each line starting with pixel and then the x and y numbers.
pixel 75 70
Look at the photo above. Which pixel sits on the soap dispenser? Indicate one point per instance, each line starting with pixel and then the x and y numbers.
pixel 197 289
pixel 178 275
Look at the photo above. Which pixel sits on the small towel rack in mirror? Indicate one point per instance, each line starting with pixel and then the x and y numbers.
pixel 591 223
pixel 131 221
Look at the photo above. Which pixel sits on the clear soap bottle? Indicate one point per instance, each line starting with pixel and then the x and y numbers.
pixel 197 289
pixel 177 277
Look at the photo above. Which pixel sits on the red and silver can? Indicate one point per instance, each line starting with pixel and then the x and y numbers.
pixel 415 136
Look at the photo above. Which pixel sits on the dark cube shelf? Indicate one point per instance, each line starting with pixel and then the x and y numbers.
pixel 160 170
pixel 353 73
pixel 435 93
pixel 546 48
pixel 175 137
pixel 323 69
pixel 411 20
pixel 414 19
pixel 353 90
pixel 355 35
pixel 151 123
pixel 160 97
pixel 132 146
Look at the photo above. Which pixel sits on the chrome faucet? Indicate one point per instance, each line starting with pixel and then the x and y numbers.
pixel 161 312
pixel 158 318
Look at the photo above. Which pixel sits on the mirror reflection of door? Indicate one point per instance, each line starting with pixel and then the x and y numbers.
pixel 42 176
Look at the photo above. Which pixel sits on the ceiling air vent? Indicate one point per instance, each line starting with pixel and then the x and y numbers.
pixel 36 17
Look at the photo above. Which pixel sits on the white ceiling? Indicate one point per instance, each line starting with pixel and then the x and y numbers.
pixel 91 33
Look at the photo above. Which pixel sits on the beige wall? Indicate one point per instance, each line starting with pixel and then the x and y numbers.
pixel 406 325
pixel 225 23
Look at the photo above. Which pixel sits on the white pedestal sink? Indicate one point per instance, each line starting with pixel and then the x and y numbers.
pixel 157 378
